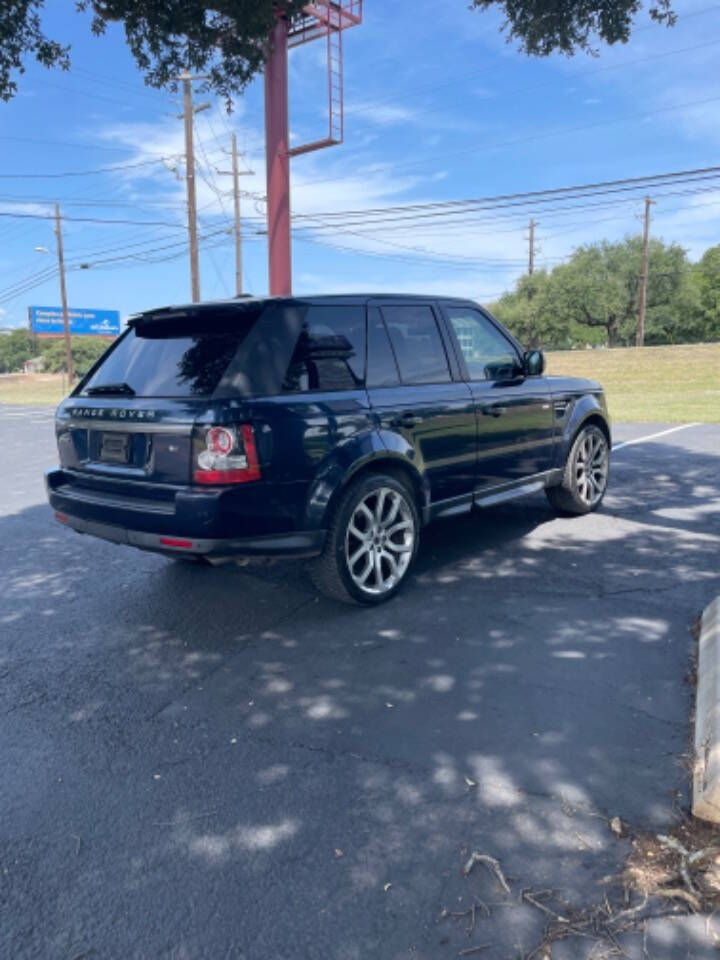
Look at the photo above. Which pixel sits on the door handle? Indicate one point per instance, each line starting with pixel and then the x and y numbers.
pixel 406 420
pixel 493 410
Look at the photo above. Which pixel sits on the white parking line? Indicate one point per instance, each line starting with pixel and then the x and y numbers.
pixel 654 436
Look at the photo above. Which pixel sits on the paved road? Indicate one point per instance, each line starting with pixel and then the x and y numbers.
pixel 216 763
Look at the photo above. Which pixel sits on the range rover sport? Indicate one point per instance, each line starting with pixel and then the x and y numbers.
pixel 330 428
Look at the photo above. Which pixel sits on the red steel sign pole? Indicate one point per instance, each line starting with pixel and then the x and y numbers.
pixel 278 162
pixel 322 18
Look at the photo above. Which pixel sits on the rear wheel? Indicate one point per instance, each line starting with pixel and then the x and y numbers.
pixel 371 543
pixel 586 474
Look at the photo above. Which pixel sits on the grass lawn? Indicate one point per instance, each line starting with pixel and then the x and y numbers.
pixel 660 384
pixel 32 389
pixel 652 384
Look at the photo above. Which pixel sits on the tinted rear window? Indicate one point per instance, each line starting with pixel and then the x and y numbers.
pixel 182 357
pixel 330 350
pixel 381 367
pixel 417 344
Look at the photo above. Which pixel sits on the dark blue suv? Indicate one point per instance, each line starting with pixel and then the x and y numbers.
pixel 327 427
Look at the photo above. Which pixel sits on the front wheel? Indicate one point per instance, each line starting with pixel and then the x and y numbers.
pixel 586 474
pixel 371 543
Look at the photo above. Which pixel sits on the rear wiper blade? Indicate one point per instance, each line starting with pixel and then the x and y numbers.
pixel 110 388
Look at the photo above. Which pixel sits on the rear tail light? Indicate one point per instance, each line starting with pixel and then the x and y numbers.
pixel 225 455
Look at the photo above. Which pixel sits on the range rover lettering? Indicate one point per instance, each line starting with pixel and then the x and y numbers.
pixel 330 428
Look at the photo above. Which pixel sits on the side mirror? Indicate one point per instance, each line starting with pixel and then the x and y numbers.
pixel 533 363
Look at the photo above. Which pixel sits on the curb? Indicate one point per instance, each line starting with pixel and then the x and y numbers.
pixel 706 768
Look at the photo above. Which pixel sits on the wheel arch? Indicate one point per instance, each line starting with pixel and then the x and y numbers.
pixel 587 411
pixel 595 419
pixel 322 503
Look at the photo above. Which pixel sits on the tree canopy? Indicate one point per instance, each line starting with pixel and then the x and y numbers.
pixel 542 28
pixel 226 40
pixel 593 298
pixel 19 346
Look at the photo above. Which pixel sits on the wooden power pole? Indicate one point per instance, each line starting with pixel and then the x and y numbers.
pixel 63 295
pixel 531 259
pixel 187 116
pixel 640 336
pixel 236 173
pixel 236 209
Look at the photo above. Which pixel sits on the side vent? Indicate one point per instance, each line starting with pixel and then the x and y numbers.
pixel 561 408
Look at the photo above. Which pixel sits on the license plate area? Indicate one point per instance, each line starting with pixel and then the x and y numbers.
pixel 115 447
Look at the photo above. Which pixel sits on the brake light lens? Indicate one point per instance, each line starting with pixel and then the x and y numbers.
pixel 224 455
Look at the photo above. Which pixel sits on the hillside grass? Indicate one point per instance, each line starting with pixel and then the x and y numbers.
pixel 651 384
pixel 32 389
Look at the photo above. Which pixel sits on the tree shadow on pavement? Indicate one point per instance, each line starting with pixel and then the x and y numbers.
pixel 216 762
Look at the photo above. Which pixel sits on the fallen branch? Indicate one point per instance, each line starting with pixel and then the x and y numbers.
pixel 471 912
pixel 529 897
pixel 493 866
pixel 677 893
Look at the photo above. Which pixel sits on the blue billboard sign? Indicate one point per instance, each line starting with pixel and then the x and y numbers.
pixel 83 323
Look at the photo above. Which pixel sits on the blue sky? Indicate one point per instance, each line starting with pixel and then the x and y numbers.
pixel 438 107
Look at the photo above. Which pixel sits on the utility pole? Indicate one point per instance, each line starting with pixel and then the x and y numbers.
pixel 187 116
pixel 531 261
pixel 640 337
pixel 236 173
pixel 63 295
pixel 236 209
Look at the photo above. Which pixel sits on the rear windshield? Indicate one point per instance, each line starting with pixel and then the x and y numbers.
pixel 179 357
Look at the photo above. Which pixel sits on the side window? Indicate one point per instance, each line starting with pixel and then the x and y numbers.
pixel 330 351
pixel 382 370
pixel 488 354
pixel 417 344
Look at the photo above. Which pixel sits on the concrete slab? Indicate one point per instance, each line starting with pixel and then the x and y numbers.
pixel 706 769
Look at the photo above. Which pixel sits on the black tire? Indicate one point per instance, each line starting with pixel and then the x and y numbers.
pixel 331 571
pixel 571 498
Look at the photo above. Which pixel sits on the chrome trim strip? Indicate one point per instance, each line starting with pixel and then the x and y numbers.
pixel 127 426
pixel 485 496
pixel 511 494
pixel 140 505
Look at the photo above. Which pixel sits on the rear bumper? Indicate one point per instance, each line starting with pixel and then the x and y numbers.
pixel 175 527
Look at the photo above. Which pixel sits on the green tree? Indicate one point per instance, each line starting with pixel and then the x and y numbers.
pixel 706 285
pixel 599 289
pixel 225 40
pixel 15 349
pixel 542 27
pixel 530 313
pixel 85 351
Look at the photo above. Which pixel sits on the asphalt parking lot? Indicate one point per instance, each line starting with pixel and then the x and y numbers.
pixel 217 763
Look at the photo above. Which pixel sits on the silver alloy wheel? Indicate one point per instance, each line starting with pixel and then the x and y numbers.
pixel 591 468
pixel 379 541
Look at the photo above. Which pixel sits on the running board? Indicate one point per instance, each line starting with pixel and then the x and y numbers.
pixel 512 494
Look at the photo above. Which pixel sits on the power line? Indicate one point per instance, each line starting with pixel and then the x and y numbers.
pixel 454 208
pixel 85 173
pixel 135 223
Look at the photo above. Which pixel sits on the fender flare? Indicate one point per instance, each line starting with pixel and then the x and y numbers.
pixel 587 408
pixel 358 454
